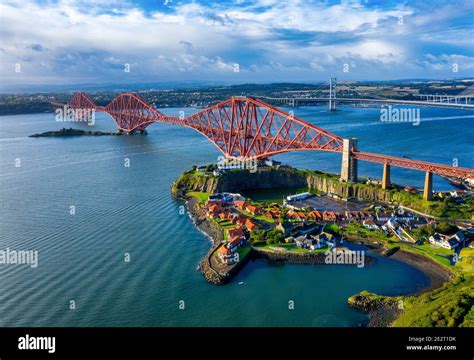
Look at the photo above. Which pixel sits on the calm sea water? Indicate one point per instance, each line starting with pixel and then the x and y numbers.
pixel 129 210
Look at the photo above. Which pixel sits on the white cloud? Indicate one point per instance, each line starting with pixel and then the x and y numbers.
pixel 68 41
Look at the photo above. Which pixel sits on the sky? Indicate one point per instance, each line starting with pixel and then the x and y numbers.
pixel 259 41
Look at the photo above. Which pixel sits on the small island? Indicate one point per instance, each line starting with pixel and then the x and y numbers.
pixel 293 227
pixel 74 132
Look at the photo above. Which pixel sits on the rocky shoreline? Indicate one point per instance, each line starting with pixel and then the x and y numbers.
pixel 438 275
pixel 215 233
pixel 382 310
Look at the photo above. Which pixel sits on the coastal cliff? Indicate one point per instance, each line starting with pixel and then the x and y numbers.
pixel 284 177
pixel 288 177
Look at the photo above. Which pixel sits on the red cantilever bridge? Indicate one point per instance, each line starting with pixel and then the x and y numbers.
pixel 248 128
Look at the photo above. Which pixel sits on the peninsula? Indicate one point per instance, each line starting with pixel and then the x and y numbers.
pixel 315 218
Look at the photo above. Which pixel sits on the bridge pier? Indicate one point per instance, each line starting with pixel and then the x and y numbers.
pixel 386 177
pixel 349 163
pixel 428 189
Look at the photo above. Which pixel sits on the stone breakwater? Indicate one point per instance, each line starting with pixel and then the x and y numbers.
pixel 214 232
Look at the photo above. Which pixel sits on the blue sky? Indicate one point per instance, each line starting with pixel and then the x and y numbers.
pixel 74 41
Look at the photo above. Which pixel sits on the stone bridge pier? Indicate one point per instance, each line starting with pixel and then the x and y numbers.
pixel 349 163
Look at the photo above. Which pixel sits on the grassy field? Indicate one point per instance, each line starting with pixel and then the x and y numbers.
pixel 466 260
pixel 200 196
pixel 289 247
pixel 358 230
pixel 440 255
pixel 452 305
pixel 243 251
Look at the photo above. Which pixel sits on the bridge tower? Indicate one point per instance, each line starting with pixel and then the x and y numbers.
pixel 332 94
pixel 428 188
pixel 349 163
pixel 386 177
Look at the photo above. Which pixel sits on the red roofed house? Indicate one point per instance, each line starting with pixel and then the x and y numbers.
pixel 214 211
pixel 316 215
pixel 240 204
pixel 250 225
pixel 235 232
pixel 225 215
pixel 241 220
pixel 252 209
pixel 234 243
pixel 297 215
pixel 329 216
pixel 225 255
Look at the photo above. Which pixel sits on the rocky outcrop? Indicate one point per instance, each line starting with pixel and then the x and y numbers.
pixel 382 310
pixel 283 177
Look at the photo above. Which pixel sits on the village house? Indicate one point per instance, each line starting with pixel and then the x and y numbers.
pixel 235 242
pixel 299 241
pixel 326 237
pixel 254 210
pixel 352 215
pixel 238 219
pixel 315 215
pixel 240 204
pixel 250 225
pixel 384 216
pixel 214 210
pixel 402 215
pixel 225 215
pixel 235 232
pixel 225 197
pixel 225 255
pixel 369 224
pixel 329 216
pixel 298 215
pixel 273 213
pixel 289 239
pixel 442 241
pixel 317 242
pixel 285 227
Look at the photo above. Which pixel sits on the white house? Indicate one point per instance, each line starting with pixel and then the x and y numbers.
pixel 369 224
pixel 384 216
pixel 442 241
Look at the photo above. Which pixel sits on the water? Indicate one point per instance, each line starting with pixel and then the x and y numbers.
pixel 129 210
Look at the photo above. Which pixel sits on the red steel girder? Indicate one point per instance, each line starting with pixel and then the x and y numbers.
pixel 249 128
pixel 439 169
